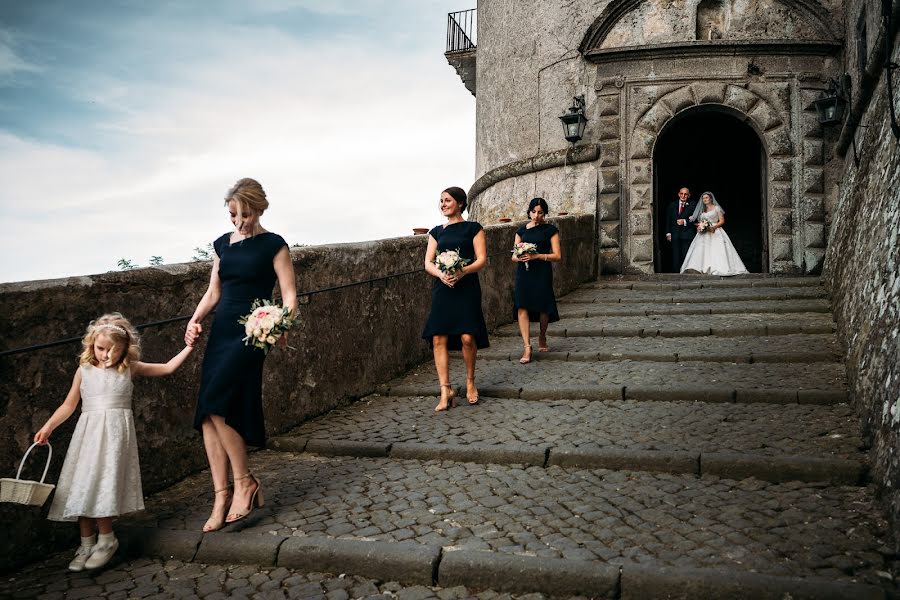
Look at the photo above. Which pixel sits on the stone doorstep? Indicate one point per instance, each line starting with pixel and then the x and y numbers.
pixel 646 393
pixel 593 356
pixel 727 465
pixel 418 564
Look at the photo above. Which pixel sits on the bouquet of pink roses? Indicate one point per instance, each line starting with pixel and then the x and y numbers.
pixel 265 324
pixel 450 261
pixel 703 225
pixel 524 248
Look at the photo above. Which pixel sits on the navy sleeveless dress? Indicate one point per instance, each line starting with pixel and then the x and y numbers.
pixel 457 310
pixel 534 286
pixel 231 381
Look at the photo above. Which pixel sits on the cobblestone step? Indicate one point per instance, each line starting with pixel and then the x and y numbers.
pixel 585 517
pixel 611 296
pixel 814 383
pixel 721 325
pixel 773 443
pixel 758 429
pixel 577 310
pixel 668 282
pixel 795 348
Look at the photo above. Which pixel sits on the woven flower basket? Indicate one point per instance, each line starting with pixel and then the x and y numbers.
pixel 24 491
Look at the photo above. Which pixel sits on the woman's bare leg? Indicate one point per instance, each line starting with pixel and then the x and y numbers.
pixel 218 466
pixel 524 330
pixel 542 339
pixel 442 366
pixel 236 452
pixel 470 354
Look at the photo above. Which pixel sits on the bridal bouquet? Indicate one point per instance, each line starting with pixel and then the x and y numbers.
pixel 703 225
pixel 524 248
pixel 450 261
pixel 265 324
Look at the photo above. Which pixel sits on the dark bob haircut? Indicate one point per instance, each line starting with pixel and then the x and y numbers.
pixel 459 195
pixel 538 202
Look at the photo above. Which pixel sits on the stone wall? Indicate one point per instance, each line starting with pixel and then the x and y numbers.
pixel 349 340
pixel 862 272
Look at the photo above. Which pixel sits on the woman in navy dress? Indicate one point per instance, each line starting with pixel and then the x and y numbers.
pixel 229 413
pixel 534 300
pixel 456 320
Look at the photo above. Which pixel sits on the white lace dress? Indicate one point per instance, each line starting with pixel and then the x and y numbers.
pixel 713 253
pixel 101 476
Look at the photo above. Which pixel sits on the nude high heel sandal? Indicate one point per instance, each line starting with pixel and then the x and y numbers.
pixel 256 500
pixel 217 524
pixel 451 398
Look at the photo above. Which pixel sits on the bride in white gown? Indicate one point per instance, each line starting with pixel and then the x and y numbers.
pixel 711 251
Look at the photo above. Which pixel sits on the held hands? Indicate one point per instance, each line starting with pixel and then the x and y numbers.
pixel 192 333
pixel 680 222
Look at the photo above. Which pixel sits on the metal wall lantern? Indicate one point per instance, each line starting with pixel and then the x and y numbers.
pixel 832 103
pixel 574 121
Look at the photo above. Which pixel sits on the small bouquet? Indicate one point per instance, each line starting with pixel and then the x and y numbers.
pixel 703 225
pixel 524 248
pixel 265 324
pixel 450 261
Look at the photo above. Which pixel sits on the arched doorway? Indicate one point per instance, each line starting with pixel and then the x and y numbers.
pixel 709 149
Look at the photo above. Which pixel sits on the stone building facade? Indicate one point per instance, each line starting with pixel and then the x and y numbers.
pixel 713 94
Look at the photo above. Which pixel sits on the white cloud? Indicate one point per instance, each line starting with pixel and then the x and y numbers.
pixel 351 143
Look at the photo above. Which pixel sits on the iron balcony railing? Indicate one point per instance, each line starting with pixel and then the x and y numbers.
pixel 462 29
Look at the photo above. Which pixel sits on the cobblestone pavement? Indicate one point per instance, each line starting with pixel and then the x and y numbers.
pixel 795 528
pixel 766 429
pixel 607 296
pixel 688 325
pixel 577 309
pixel 788 511
pixel 554 375
pixel 697 348
pixel 172 579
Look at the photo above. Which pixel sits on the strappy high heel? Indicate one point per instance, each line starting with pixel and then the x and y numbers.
pixel 256 500
pixel 210 524
pixel 542 345
pixel 526 356
pixel 473 400
pixel 451 399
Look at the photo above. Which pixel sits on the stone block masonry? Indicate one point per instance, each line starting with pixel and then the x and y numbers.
pixel 371 331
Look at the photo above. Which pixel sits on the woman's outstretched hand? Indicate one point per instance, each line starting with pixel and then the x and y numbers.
pixel 192 333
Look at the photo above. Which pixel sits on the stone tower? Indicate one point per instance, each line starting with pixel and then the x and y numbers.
pixel 710 94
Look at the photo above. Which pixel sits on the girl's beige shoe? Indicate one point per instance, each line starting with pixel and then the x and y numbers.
pixel 101 554
pixel 81 556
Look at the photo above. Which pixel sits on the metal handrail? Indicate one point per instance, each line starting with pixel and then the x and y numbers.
pixel 462 30
pixel 300 296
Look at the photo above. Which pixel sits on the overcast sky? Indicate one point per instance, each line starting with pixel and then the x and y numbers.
pixel 123 123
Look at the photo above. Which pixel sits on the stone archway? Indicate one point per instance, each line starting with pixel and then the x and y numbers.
pixel 764 107
pixel 709 148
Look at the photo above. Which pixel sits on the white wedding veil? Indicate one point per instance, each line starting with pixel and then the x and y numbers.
pixel 701 208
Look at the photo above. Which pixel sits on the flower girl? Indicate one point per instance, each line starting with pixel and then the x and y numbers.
pixel 101 477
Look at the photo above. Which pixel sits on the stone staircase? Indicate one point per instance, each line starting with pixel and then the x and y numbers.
pixel 685 438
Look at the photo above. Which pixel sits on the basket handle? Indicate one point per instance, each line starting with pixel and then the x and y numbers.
pixel 46 467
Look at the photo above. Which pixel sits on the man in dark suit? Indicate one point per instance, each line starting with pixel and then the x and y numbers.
pixel 679 230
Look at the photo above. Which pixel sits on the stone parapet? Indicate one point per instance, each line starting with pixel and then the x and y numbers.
pixel 351 337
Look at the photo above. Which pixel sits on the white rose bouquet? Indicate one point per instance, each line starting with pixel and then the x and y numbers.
pixel 265 324
pixel 450 261
pixel 524 248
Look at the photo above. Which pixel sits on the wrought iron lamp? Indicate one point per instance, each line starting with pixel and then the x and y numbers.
pixel 574 121
pixel 832 103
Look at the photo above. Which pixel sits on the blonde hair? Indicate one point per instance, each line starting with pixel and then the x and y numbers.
pixel 120 332
pixel 247 193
